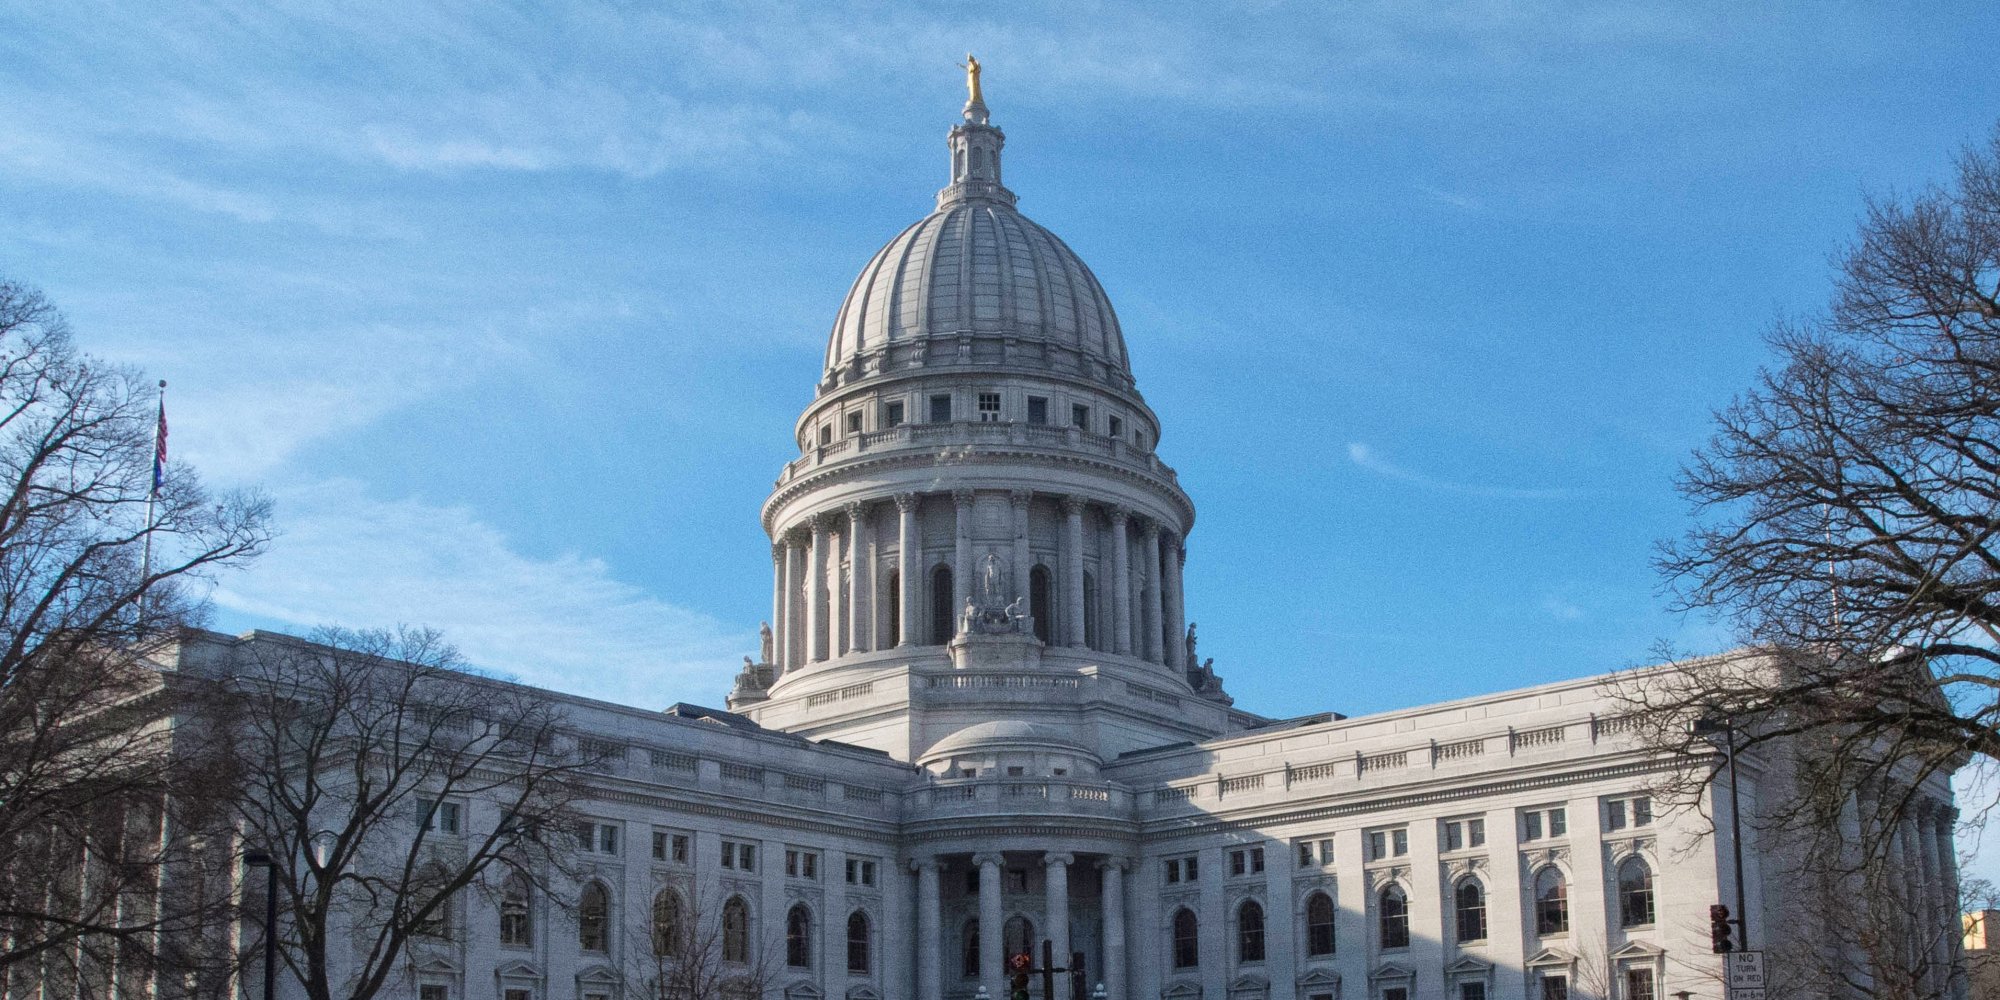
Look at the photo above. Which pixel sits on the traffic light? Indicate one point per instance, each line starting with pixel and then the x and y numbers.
pixel 1017 975
pixel 1719 932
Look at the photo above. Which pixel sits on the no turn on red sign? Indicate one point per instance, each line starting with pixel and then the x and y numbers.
pixel 1746 975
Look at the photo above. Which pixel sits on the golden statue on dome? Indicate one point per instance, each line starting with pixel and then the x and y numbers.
pixel 972 79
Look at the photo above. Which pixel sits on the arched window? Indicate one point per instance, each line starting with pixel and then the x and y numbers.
pixel 1635 893
pixel 968 950
pixel 1551 902
pixel 667 930
pixel 941 609
pixel 1090 628
pixel 978 161
pixel 1041 603
pixel 857 942
pixel 1319 924
pixel 1250 932
pixel 799 937
pixel 593 919
pixel 1017 936
pixel 1470 900
pixel 892 598
pixel 736 930
pixel 1395 918
pixel 516 925
pixel 1187 939
pixel 430 881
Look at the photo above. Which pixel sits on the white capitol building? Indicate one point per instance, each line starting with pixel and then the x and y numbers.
pixel 979 723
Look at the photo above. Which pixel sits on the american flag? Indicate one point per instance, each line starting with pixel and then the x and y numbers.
pixel 160 450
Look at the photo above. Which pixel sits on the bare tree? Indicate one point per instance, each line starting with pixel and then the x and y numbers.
pixel 387 785
pixel 1847 508
pixel 701 946
pixel 98 794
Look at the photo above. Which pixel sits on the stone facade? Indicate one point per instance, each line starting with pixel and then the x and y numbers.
pixel 982 714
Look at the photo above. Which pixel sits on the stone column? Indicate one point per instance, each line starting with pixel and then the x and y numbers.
pixel 835 621
pixel 1112 900
pixel 1944 828
pixel 857 579
pixel 816 546
pixel 961 563
pixel 1018 501
pixel 930 952
pixel 1121 584
pixel 1176 607
pixel 781 603
pixel 909 568
pixel 992 962
pixel 1073 571
pixel 796 541
pixel 1149 550
pixel 777 600
pixel 1056 869
pixel 1934 912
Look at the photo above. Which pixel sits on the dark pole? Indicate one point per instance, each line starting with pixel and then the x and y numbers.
pixel 271 931
pixel 1736 841
pixel 269 863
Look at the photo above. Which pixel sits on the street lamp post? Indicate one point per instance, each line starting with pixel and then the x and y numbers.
pixel 264 860
pixel 1708 726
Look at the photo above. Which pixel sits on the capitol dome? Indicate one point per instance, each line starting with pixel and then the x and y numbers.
pixel 975 282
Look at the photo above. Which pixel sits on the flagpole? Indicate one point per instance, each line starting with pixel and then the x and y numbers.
pixel 153 493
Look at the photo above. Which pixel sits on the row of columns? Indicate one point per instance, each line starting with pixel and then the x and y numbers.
pixel 814 618
pixel 992 953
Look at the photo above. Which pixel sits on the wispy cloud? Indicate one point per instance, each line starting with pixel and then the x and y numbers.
pixel 1365 457
pixel 1562 608
pixel 565 622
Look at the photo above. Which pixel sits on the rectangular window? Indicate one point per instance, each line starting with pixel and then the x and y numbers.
pixel 1555 987
pixel 742 857
pixel 1472 991
pixel 1460 834
pixel 1639 985
pixel 1531 826
pixel 1378 845
pixel 1614 814
pixel 1038 409
pixel 659 846
pixel 597 838
pixel 941 409
pixel 892 414
pixel 1399 842
pixel 432 991
pixel 1326 852
pixel 1115 427
pixel 1475 833
pixel 1305 854
pixel 1642 811
pixel 1454 836
pixel 1393 843
pixel 1256 860
pixel 1395 993
pixel 854 423
pixel 1558 822
pixel 989 407
pixel 1172 870
pixel 1237 862
pixel 1079 416
pixel 860 872
pixel 802 864
pixel 518 995
pixel 443 817
pixel 826 434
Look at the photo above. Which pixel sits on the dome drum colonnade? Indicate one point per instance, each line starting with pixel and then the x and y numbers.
pixel 830 571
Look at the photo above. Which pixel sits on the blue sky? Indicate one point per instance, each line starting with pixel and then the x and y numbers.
pixel 512 306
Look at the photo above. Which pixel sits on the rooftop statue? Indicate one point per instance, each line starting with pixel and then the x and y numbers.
pixel 972 79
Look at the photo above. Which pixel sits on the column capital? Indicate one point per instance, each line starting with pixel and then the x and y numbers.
pixel 1020 498
pixel 799 535
pixel 922 863
pixel 778 550
pixel 962 497
pixel 1051 860
pixel 989 858
pixel 1149 530
pixel 906 502
pixel 823 520
pixel 1073 505
pixel 1114 863
pixel 855 510
pixel 1118 515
